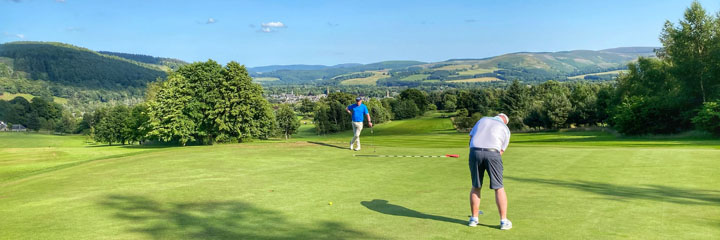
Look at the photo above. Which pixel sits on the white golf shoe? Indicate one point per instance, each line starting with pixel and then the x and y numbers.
pixel 351 147
pixel 473 222
pixel 505 224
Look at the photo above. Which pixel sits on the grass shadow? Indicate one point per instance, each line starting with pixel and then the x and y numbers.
pixel 382 206
pixel 327 145
pixel 644 192
pixel 216 220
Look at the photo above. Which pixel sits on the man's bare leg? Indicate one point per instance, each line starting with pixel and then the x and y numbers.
pixel 501 201
pixel 474 201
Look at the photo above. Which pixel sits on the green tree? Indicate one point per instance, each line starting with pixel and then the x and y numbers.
pixel 514 103
pixel 692 48
pixel 206 102
pixel 67 123
pixel 287 121
pixel 306 106
pixel 378 113
pixel 405 109
pixel 708 119
pixel 418 97
pixel 139 126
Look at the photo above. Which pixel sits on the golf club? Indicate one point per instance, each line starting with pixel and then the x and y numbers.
pixel 409 156
pixel 372 138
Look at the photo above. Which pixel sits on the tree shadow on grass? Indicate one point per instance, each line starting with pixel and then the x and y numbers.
pixel 382 206
pixel 327 145
pixel 217 220
pixel 644 192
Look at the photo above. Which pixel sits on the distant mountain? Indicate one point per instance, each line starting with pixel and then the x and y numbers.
pixel 632 50
pixel 171 63
pixel 271 68
pixel 75 66
pixel 525 66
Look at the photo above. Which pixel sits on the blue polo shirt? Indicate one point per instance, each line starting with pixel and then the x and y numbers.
pixel 358 112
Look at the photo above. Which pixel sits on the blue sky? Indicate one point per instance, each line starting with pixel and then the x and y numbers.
pixel 257 33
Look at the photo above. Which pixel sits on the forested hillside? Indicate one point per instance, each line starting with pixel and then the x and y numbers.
pixel 85 77
pixel 75 66
pixel 171 63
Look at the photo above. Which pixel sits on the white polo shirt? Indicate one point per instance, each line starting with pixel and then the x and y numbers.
pixel 490 132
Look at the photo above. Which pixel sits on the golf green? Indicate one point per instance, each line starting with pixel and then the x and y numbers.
pixel 564 185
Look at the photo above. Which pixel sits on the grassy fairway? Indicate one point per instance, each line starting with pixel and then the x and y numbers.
pixel 575 185
pixel 482 79
pixel 616 72
pixel 10 96
pixel 371 80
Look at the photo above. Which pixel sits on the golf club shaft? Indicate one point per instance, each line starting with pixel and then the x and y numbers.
pixel 407 156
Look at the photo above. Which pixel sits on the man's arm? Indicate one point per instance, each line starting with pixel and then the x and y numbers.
pixel 369 120
pixel 348 110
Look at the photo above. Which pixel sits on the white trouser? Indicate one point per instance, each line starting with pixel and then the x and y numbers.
pixel 357 128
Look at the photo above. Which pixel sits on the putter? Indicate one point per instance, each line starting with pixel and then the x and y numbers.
pixel 409 156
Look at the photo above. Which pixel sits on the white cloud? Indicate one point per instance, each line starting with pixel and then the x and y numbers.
pixel 16 35
pixel 274 25
pixel 270 27
pixel 211 21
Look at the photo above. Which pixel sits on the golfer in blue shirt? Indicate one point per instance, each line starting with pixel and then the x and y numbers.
pixel 358 111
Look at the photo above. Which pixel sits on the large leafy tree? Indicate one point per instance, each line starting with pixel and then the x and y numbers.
pixel 418 97
pixel 209 103
pixel 287 121
pixel 691 47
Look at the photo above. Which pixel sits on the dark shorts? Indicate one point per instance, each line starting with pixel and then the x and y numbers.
pixel 481 161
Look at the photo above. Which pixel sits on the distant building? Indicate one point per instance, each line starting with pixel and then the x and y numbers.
pixel 3 126
pixel 18 128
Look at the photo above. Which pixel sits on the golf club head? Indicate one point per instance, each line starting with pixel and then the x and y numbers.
pixel 453 155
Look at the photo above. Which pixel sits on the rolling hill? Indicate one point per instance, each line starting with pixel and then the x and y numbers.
pixel 74 66
pixel 525 66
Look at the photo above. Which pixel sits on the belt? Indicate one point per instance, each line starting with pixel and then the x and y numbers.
pixel 486 150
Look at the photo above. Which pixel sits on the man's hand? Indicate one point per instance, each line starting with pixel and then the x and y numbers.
pixel 501 152
pixel 348 111
pixel 370 124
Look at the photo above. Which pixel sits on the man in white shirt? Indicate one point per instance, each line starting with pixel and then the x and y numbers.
pixel 488 140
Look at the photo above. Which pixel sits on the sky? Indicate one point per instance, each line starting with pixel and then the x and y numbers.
pixel 258 33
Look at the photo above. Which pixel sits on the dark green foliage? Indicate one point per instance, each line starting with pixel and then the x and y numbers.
pixel 287 122
pixel 205 102
pixel 331 113
pixel 661 96
pixel 306 106
pixel 139 125
pixel 378 113
pixel 405 108
pixel 66 124
pixel 708 119
pixel 418 97
pixel 168 62
pixel 74 66
pixel 36 115
pixel 515 103
pixel 464 122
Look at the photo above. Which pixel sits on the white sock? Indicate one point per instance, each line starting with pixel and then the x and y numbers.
pixel 504 220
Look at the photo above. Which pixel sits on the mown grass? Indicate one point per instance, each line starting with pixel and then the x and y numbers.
pixel 482 79
pixel 9 96
pixel 371 80
pixel 616 72
pixel 561 185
